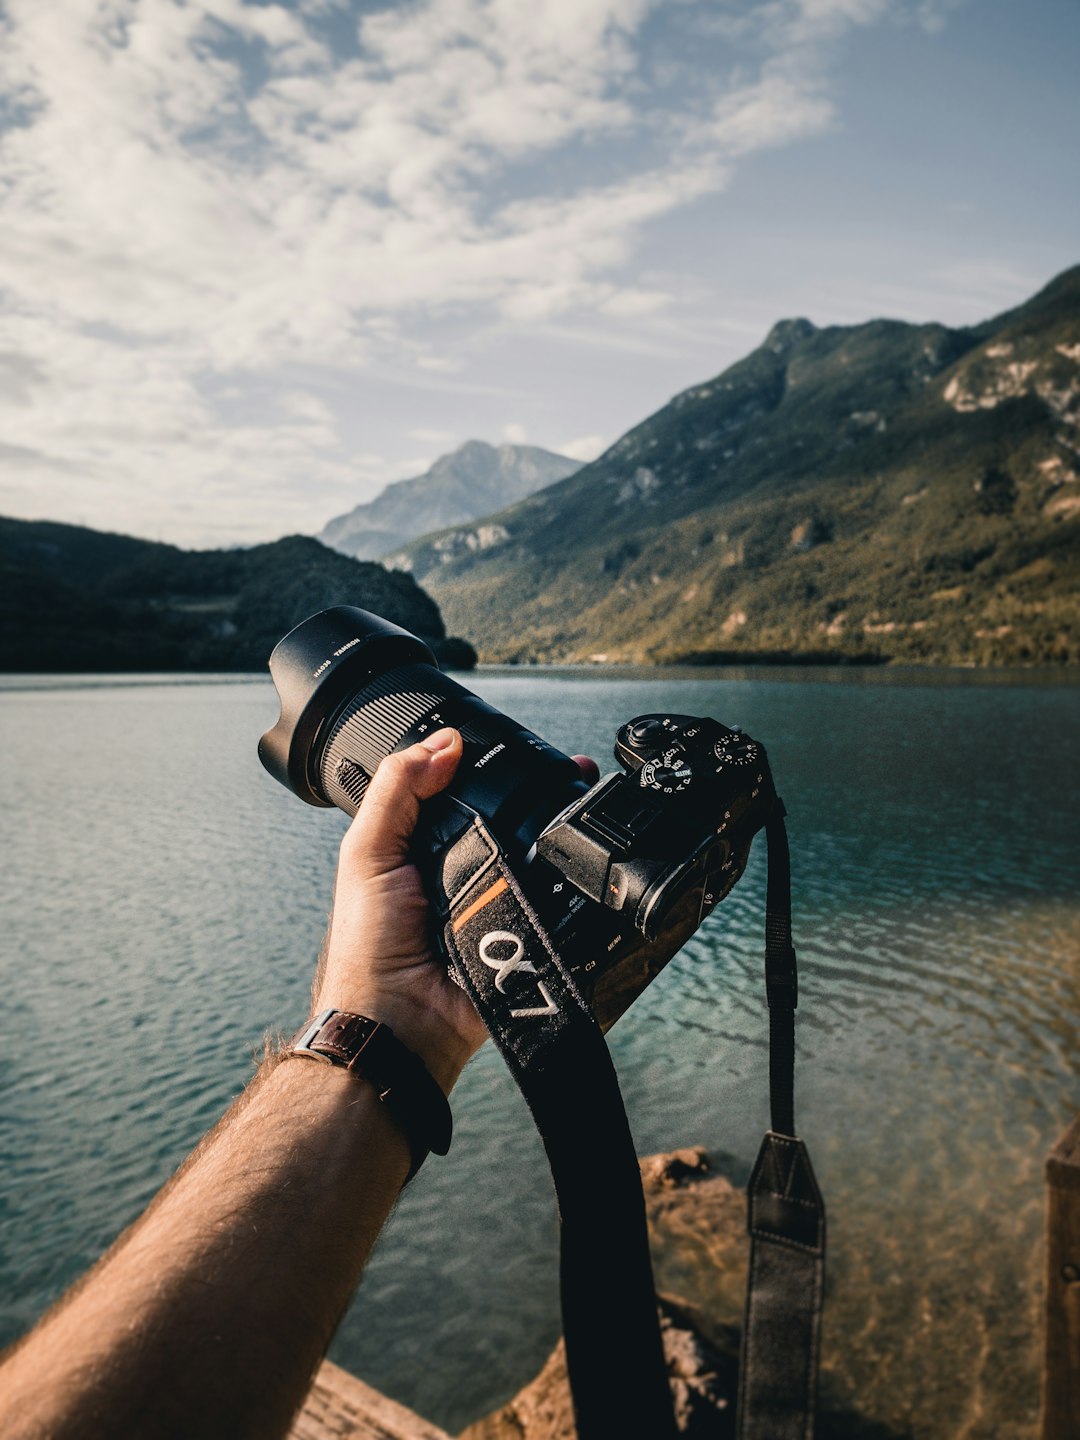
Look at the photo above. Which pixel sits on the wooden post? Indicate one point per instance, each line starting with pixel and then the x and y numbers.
pixel 1060 1418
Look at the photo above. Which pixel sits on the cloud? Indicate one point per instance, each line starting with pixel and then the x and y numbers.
pixel 585 447
pixel 440 364
pixel 205 195
pixel 19 377
pixel 515 434
pixel 775 110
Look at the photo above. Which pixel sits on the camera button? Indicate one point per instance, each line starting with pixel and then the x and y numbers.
pixel 643 733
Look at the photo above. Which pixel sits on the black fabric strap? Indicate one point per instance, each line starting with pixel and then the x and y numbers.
pixel 781 1333
pixel 785 1210
pixel 501 955
pixel 781 976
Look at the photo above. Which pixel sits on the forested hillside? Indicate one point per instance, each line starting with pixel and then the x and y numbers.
pixel 882 491
pixel 79 599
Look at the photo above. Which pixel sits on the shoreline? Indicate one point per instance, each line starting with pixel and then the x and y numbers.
pixel 892 674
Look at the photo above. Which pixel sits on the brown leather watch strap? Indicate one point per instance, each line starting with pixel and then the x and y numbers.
pixel 371 1051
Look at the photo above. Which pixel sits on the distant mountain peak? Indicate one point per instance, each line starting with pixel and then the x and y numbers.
pixel 786 333
pixel 467 483
pixel 469 451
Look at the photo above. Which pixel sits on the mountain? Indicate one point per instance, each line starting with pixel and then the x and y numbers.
pixel 884 491
pixel 473 480
pixel 79 599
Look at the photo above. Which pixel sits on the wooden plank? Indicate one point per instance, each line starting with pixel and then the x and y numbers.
pixel 1060 1412
pixel 341 1407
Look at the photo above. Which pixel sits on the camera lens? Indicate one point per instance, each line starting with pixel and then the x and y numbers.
pixel 354 688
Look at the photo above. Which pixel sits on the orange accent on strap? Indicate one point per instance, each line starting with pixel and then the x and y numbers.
pixel 479 903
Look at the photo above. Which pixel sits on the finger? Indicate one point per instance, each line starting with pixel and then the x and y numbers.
pixel 590 771
pixel 378 839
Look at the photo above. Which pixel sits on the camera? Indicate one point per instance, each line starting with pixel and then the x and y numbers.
pixel 620 874
pixel 554 905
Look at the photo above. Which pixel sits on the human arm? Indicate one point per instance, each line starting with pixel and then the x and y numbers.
pixel 210 1314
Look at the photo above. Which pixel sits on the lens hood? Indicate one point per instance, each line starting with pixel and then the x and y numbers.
pixel 314 668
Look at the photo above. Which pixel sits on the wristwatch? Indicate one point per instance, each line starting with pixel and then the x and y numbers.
pixel 371 1051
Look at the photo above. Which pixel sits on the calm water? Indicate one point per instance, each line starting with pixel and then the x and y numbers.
pixel 162 902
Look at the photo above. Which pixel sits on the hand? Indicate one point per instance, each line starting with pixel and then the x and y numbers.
pixel 378 959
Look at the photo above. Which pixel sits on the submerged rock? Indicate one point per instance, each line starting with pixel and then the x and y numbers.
pixel 697 1228
pixel 697 1233
pixel 702 1388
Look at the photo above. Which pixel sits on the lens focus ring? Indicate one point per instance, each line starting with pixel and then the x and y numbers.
pixel 371 725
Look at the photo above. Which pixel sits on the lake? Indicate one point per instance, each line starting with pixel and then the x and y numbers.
pixel 163 901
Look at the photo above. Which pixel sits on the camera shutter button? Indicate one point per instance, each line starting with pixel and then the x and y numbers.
pixel 644 732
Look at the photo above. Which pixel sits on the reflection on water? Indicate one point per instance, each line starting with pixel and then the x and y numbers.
pixel 166 898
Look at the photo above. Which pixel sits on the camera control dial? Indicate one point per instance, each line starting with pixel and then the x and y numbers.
pixel 735 749
pixel 670 773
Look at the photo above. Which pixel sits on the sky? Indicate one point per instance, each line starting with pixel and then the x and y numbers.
pixel 259 260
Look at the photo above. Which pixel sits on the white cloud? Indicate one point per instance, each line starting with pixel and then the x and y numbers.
pixel 309 408
pixel 585 447
pixel 515 434
pixel 201 199
pixel 933 15
pixel 774 110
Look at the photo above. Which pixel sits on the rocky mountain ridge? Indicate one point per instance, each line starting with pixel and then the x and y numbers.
pixel 877 491
pixel 459 487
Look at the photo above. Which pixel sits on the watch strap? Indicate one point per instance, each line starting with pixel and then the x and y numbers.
pixel 370 1050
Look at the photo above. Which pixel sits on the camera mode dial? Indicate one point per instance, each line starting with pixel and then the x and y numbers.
pixel 670 773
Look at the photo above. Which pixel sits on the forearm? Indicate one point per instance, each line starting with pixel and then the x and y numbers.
pixel 211 1313
pixel 209 1316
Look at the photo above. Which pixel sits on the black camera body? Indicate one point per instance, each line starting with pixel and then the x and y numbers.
pixel 620 874
pixel 654 849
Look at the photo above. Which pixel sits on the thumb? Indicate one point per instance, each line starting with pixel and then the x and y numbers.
pixel 378 839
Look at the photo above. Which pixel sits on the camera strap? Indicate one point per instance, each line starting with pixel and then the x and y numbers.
pixel 501 955
pixel 785 1211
